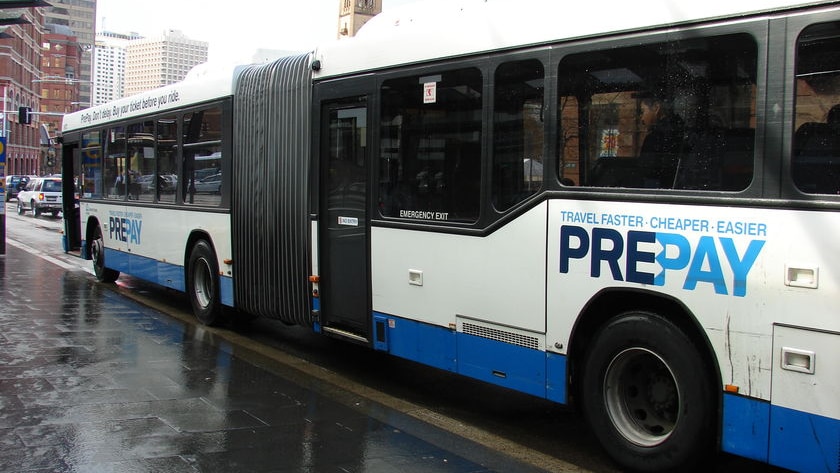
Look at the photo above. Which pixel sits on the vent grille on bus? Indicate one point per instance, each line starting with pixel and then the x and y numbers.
pixel 270 210
pixel 501 335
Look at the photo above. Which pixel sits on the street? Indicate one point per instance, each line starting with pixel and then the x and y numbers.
pixel 528 430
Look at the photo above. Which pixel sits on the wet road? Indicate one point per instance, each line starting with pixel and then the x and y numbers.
pixel 92 381
pixel 105 384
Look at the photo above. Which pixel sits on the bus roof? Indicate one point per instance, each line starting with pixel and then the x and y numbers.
pixel 429 30
pixel 205 82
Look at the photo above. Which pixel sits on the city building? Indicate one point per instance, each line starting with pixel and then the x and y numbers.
pixel 20 66
pixel 161 60
pixel 80 16
pixel 353 14
pixel 58 85
pixel 109 66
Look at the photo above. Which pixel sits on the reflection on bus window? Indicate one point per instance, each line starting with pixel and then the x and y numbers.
pixel 430 168
pixel 141 161
pixel 167 159
pixel 816 143
pixel 202 178
pixel 115 170
pixel 677 115
pixel 518 132
pixel 91 185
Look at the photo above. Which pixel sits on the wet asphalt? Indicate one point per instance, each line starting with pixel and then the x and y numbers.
pixel 93 381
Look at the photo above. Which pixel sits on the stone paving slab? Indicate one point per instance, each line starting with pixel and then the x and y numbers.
pixel 93 381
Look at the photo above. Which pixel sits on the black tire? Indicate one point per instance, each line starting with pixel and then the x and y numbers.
pixel 203 284
pixel 35 211
pixel 97 251
pixel 647 395
pixel 21 210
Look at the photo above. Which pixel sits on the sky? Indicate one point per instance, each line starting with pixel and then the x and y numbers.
pixel 234 33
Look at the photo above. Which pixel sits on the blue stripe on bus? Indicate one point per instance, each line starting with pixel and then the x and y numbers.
pixel 522 369
pixel 746 426
pixel 784 437
pixel 801 441
pixel 165 274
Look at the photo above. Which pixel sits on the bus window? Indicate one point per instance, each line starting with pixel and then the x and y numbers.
pixel 518 132
pixel 92 165
pixel 115 170
pixel 816 143
pixel 430 167
pixel 676 115
pixel 167 159
pixel 202 157
pixel 141 161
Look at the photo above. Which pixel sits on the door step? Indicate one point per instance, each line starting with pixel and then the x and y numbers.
pixel 345 334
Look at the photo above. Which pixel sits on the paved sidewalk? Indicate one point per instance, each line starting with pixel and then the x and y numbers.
pixel 93 381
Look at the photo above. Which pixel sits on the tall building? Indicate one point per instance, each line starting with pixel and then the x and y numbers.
pixel 109 66
pixel 20 63
pixel 162 60
pixel 58 85
pixel 353 14
pixel 80 16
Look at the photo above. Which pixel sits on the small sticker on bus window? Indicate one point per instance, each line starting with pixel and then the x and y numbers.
pixel 430 92
pixel 348 221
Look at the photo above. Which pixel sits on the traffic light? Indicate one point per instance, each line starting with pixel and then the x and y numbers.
pixel 24 116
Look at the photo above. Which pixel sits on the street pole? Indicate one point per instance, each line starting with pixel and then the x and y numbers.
pixel 3 190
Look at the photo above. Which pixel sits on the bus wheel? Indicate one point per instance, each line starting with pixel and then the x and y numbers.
pixel 203 284
pixel 645 394
pixel 97 251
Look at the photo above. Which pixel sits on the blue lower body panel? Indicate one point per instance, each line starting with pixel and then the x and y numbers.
pixel 746 427
pixel 522 369
pixel 804 442
pixel 783 437
pixel 166 274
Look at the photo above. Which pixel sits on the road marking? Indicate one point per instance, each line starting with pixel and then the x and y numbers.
pixel 44 256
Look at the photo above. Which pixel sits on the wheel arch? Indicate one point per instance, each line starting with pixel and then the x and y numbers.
pixel 610 302
pixel 194 237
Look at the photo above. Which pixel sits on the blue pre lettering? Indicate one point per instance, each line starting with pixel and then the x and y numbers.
pixel 611 253
pixel 702 263
pixel 125 229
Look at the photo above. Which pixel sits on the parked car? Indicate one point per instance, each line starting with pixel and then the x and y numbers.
pixel 42 194
pixel 14 183
pixel 210 184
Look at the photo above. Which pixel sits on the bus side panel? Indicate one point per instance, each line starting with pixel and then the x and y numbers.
pixel 804 419
pixel 143 242
pixel 754 279
pixel 436 277
pixel 423 343
pixel 523 369
pixel 504 364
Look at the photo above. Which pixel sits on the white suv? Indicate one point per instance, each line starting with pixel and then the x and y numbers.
pixel 42 194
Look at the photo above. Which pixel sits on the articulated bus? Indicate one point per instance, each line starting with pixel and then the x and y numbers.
pixel 634 209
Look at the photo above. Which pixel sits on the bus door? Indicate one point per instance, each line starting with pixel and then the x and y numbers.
pixel 71 160
pixel 344 267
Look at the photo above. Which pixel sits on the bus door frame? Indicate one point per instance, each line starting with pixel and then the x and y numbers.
pixel 343 241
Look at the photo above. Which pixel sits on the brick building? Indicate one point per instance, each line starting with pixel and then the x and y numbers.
pixel 20 63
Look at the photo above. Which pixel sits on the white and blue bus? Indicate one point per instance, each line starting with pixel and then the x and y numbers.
pixel 633 209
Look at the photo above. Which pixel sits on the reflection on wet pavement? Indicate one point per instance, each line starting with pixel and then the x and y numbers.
pixel 91 381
